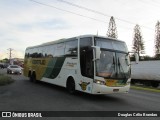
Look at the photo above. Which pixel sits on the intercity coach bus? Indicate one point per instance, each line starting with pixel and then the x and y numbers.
pixel 88 63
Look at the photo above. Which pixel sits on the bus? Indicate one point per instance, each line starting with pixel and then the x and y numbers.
pixel 88 63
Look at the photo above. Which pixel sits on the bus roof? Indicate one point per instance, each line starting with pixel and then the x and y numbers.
pixel 68 39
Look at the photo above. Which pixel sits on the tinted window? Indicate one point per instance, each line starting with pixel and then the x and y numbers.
pixel 35 53
pixel 86 57
pixel 39 51
pixel 44 51
pixel 49 51
pixel 104 43
pixel 71 48
pixel 59 51
pixel 27 53
pixel 110 44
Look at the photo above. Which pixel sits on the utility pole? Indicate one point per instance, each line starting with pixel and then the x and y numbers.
pixel 112 29
pixel 10 54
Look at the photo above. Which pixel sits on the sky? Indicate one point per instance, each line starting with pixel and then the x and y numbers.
pixel 26 23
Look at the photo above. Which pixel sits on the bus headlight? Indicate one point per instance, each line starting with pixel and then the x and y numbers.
pixel 99 82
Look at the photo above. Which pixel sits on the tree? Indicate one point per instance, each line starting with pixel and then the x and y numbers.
pixel 112 29
pixel 157 40
pixel 6 60
pixel 138 43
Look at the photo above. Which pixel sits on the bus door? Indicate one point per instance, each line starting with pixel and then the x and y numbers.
pixel 86 64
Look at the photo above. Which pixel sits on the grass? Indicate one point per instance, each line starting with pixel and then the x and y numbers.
pixel 4 80
pixel 145 88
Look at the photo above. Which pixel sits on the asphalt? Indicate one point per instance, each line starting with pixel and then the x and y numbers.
pixel 22 95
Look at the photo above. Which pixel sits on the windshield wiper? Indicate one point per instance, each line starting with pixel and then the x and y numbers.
pixel 113 73
pixel 114 62
pixel 120 67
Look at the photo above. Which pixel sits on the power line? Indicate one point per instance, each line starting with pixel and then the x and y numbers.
pixel 100 13
pixel 73 13
pixel 81 14
pixel 67 11
pixel 94 11
pixel 44 4
pixel 98 20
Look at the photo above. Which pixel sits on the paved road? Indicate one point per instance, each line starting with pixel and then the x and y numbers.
pixel 22 95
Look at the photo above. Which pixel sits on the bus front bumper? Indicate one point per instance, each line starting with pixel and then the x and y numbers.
pixel 103 89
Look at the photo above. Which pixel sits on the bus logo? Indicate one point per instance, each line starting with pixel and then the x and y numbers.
pixel 84 85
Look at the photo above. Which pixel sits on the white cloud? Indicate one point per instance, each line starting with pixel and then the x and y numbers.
pixel 25 23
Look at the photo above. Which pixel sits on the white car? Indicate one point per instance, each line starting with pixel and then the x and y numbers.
pixel 14 69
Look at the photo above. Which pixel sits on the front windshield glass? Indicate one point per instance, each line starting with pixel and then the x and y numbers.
pixel 114 59
pixel 111 44
pixel 123 65
pixel 106 64
pixel 113 65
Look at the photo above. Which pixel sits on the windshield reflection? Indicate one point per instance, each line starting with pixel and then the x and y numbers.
pixel 113 65
pixel 106 64
pixel 123 65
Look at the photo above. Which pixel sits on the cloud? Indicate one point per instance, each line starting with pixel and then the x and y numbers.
pixel 25 23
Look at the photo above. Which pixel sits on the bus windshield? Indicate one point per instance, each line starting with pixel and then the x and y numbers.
pixel 114 61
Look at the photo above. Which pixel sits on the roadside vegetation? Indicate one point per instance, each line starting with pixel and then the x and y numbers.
pixel 146 88
pixel 4 80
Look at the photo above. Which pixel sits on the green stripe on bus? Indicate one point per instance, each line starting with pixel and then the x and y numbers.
pixel 54 66
pixel 49 67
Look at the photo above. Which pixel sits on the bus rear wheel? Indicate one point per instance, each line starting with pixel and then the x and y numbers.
pixel 34 77
pixel 71 86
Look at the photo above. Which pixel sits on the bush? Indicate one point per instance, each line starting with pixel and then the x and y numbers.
pixel 5 80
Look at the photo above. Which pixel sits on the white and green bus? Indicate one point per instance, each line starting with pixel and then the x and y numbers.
pixel 88 63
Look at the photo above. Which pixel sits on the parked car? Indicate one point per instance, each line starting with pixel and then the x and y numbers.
pixel 6 65
pixel 1 66
pixel 14 69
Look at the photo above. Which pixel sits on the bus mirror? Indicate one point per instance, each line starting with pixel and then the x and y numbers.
pixel 97 52
pixel 136 58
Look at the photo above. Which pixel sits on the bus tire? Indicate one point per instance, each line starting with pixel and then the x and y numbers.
pixel 70 85
pixel 34 77
pixel 30 76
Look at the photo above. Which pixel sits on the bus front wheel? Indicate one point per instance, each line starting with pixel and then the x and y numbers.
pixel 71 86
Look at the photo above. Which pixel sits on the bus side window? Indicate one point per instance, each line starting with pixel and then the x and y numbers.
pixel 71 48
pixel 27 53
pixel 86 57
pixel 59 50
